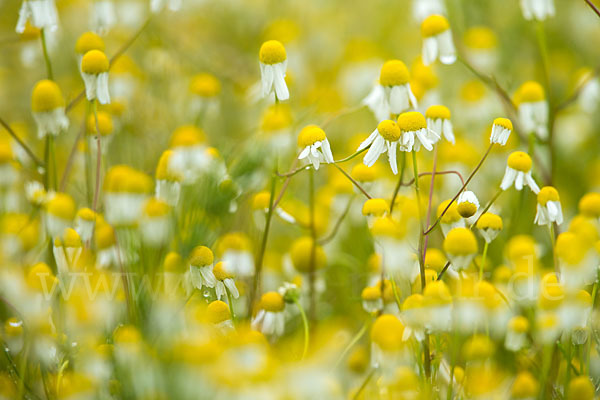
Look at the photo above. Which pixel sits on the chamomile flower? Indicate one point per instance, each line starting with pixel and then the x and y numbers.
pixel 270 319
pixel 48 108
pixel 84 223
pixel 437 40
pixel 388 349
pixel 577 263
pixel 205 89
pixel 94 71
pixel 451 219
pixel 549 209
pixel 60 211
pixel 589 205
pixel 489 226
pixel 235 251
pixel 537 9
pixel 518 172
pixel 437 307
pixel 415 132
pixel 316 148
pixel 218 313
pixel 414 317
pixel 460 246
pixel 525 387
pixel 168 182
pixel 225 282
pixel 155 225
pixel 501 130
pixel 189 157
pixel 125 192
pixel 384 138
pixel 34 190
pixel 374 209
pixel 301 255
pixel 371 299
pixel 438 121
pixel 533 108
pixel 273 66
pixel 393 94
pixel 86 42
pixel 106 250
pixel 516 334
pixel 467 204
pixel 480 43
pixel 67 249
pixel 41 14
pixel 201 268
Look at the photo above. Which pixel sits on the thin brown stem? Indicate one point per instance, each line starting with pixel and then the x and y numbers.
pixel 12 133
pixel 338 224
pixel 593 7
pixel 363 191
pixel 430 201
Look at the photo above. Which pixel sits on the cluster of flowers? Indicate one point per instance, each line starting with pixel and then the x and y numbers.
pixel 186 265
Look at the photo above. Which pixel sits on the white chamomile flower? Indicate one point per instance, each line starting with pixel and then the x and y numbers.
pixel 516 334
pixel 270 319
pixel 537 9
pixel 371 299
pixel 94 70
pixel 549 209
pixel 489 226
pixel 533 108
pixel 60 211
pixel 66 249
pixel 460 246
pixel 384 138
pixel 273 65
pixel 41 14
pixel 437 40
pixel 415 132
pixel 438 121
pixel 501 130
pixel 157 6
pixel 414 318
pixel 518 172
pixel 201 268
pixel 393 94
pixel 85 221
pixel 225 282
pixel 316 148
pixel 48 108
pixel 467 204
pixel 34 192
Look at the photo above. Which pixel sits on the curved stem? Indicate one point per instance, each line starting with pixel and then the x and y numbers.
pixel 46 56
pixel 305 325
pixel 399 184
pixel 230 300
pixel 431 187
pixel 351 156
pixel 485 249
pixel 98 157
pixel 12 133
pixel 337 225
pixel 352 342
pixel 363 191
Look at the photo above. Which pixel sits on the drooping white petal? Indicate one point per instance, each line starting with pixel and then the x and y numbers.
pixel 446 47
pixel 392 156
pixel 508 179
pixel 368 140
pixel 430 50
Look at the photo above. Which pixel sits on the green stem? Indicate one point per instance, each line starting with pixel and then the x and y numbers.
pixel 568 366
pixel 352 342
pixel 485 249
pixel 46 56
pixel 313 249
pixel 553 242
pixel 98 157
pixel 305 325
pixel 399 184
pixel 230 300
pixel 364 385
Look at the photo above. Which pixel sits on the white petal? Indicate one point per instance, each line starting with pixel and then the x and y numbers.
pixel 392 157
pixel 430 50
pixel 508 179
pixel 368 140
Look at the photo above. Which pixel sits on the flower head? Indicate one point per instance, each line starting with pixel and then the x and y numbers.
pixel 437 40
pixel 518 172
pixel 438 121
pixel 415 132
pixel 501 130
pixel 549 209
pixel 273 65
pixel 48 107
pixel 315 145
pixel 94 70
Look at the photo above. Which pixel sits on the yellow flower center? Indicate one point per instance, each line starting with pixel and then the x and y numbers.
pixel 371 293
pixel 413 301
pixel 460 242
pixel 124 179
pixel 519 161
pixel 172 261
pixel 437 293
pixel 411 121
pixel 187 135
pixel 387 332
pixel 272 301
pixel 201 256
pixel 261 200
pixel 466 209
pixel 489 221
pixel 362 173
pixel 546 194
pixel 434 25
pixel 46 96
pixel 386 227
pixel 300 254
pixel 570 248
pixel 105 236
pixel 94 62
pixel 217 311
pixel 219 271
pixel 519 324
pixel 394 73
pixel 272 52
pixel 435 259
pixel 86 214
pixel 156 208
pixel 276 117
pixel 375 207
pixel 205 85
pixel 71 238
pixel 62 206
pixel 581 388
pixel 309 135
pixel 89 41
pixel 39 274
pixel 504 123
pixel 472 91
pixel 589 205
pixel 530 92
pixel 105 123
pixel 438 112
pixel 389 130
pixel 451 215
pixel 480 38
